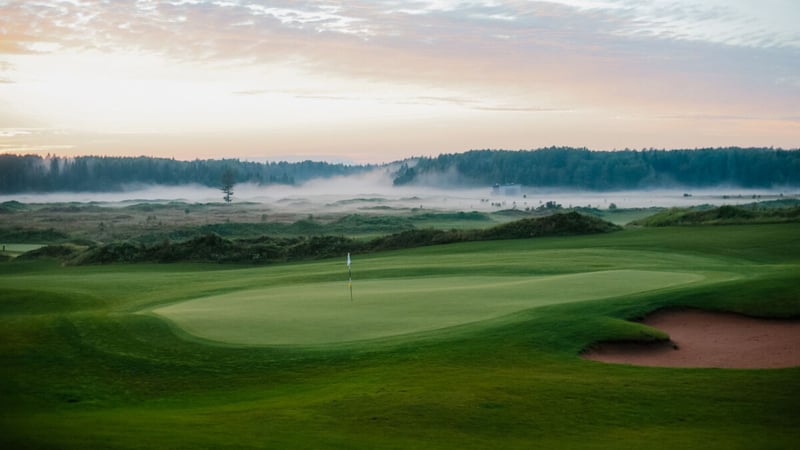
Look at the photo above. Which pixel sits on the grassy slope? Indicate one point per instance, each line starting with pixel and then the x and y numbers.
pixel 75 362
pixel 723 215
pixel 14 250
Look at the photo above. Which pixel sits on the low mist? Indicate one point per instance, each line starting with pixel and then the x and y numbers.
pixel 374 191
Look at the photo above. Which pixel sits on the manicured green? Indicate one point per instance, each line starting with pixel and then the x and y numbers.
pixel 15 250
pixel 81 365
pixel 321 313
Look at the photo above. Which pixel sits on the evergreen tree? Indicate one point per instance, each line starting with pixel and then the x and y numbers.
pixel 228 180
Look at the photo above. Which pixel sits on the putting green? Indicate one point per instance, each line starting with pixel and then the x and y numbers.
pixel 15 250
pixel 322 313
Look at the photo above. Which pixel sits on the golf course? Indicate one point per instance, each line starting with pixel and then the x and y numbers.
pixel 399 225
pixel 463 345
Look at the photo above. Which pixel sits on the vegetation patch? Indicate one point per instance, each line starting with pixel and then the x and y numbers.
pixel 354 224
pixel 211 247
pixel 564 224
pixel 455 216
pixel 11 206
pixel 723 215
pixel 57 251
pixel 25 235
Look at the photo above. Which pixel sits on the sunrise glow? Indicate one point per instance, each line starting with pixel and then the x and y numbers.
pixel 379 81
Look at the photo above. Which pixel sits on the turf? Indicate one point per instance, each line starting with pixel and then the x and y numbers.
pixel 81 367
pixel 15 250
pixel 321 313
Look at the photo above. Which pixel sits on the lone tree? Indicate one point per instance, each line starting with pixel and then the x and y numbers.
pixel 228 180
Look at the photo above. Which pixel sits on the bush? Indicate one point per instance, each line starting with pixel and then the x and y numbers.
pixel 726 214
pixel 59 251
pixel 554 225
pixel 32 235
pixel 212 247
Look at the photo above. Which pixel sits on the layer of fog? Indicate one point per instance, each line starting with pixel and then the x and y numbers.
pixel 374 191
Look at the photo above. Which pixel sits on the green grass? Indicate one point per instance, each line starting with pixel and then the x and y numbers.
pixel 624 216
pixel 80 367
pixel 321 313
pixel 14 250
pixel 723 215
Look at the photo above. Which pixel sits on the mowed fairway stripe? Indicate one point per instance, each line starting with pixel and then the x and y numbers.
pixel 321 313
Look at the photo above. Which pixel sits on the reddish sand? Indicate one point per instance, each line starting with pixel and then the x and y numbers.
pixel 709 339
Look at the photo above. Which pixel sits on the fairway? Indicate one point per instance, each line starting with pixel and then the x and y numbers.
pixel 322 313
pixel 472 345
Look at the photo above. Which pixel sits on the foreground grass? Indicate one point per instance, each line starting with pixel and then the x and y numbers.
pixel 80 363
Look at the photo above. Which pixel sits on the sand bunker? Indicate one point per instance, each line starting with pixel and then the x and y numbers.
pixel 709 339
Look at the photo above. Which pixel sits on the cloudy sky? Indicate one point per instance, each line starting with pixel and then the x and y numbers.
pixel 375 81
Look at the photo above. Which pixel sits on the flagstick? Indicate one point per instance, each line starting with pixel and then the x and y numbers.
pixel 350 280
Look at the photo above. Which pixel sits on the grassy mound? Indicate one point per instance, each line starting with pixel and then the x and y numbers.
pixel 57 251
pixel 24 235
pixel 11 207
pixel 564 224
pixel 723 215
pixel 212 247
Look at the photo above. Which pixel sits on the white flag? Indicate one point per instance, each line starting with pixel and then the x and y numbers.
pixel 348 260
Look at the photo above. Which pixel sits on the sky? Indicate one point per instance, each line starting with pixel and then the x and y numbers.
pixel 379 81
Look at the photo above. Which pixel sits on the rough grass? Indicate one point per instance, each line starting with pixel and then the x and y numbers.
pixel 80 369
pixel 723 215
pixel 270 249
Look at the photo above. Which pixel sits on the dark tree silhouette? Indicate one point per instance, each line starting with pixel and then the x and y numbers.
pixel 617 170
pixel 577 168
pixel 228 180
pixel 34 173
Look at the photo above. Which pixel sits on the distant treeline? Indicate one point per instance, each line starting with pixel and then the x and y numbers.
pixel 550 167
pixel 595 170
pixel 34 173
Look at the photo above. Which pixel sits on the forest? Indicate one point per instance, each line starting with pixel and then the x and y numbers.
pixel 566 167
pixel 34 173
pixel 613 170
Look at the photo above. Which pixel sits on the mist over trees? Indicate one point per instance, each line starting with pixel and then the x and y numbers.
pixel 34 173
pixel 551 167
pixel 617 170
